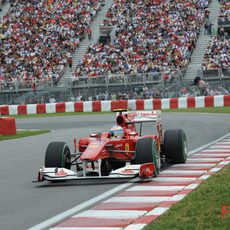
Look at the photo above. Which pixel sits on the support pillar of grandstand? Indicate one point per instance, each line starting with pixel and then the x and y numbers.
pixel 66 80
pixel 194 67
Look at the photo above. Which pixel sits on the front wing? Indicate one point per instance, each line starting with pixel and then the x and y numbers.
pixel 129 171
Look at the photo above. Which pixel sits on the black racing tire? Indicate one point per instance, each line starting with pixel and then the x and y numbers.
pixel 175 146
pixel 105 171
pixel 58 155
pixel 146 152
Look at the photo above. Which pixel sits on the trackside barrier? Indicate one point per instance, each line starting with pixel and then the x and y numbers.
pixel 7 126
pixel 107 106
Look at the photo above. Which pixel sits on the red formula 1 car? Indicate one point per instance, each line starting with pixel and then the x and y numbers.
pixel 122 152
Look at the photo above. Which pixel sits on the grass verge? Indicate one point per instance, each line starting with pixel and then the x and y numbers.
pixel 25 133
pixel 201 110
pixel 58 114
pixel 201 209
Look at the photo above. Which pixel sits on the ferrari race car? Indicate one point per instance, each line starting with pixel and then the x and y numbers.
pixel 122 152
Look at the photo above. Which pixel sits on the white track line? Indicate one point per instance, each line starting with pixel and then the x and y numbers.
pixel 133 227
pixel 84 228
pixel 215 169
pixel 211 155
pixel 206 159
pixel 126 214
pixel 224 142
pixel 224 163
pixel 191 186
pixel 204 177
pixel 177 197
pixel 215 150
pixel 219 147
pixel 173 179
pixel 138 199
pixel 193 165
pixel 157 211
pixel 185 172
pixel 155 188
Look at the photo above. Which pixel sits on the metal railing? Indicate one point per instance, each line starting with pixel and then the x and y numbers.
pixel 149 85
pixel 104 29
pixel 28 85
pixel 222 21
pixel 216 73
pixel 118 79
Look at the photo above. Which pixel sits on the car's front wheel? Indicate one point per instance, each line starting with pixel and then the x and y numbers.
pixel 58 155
pixel 146 152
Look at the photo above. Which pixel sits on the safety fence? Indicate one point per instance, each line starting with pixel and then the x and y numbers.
pixel 113 79
pixel 25 85
pixel 140 87
pixel 107 106
pixel 92 81
pixel 221 73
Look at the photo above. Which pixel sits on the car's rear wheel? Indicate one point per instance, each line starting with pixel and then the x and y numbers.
pixel 58 155
pixel 146 152
pixel 175 145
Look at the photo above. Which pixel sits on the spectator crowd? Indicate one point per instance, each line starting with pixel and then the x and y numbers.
pixel 37 36
pixel 151 37
pixel 217 55
pixel 156 37
pixel 224 15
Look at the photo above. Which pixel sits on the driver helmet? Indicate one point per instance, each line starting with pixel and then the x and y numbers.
pixel 116 131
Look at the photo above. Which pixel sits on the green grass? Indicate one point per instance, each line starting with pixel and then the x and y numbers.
pixel 201 209
pixel 201 110
pixel 58 114
pixel 21 134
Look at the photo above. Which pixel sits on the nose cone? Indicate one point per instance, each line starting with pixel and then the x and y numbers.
pixel 94 151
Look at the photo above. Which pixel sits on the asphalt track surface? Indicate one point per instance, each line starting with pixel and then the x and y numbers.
pixel 24 204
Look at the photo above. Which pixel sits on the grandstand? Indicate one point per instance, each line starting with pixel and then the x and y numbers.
pixel 137 50
pixel 216 62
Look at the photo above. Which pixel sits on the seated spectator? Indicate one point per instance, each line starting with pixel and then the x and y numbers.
pixel 150 38
pixel 217 55
pixel 37 35
pixel 224 15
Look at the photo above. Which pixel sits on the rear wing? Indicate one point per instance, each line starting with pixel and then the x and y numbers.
pixel 142 116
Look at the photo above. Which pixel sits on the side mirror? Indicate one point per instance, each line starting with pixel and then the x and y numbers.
pixel 96 135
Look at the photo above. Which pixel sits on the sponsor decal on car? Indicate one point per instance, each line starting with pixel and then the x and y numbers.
pixel 141 116
pixel 61 173
pixel 127 171
pixel 127 146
